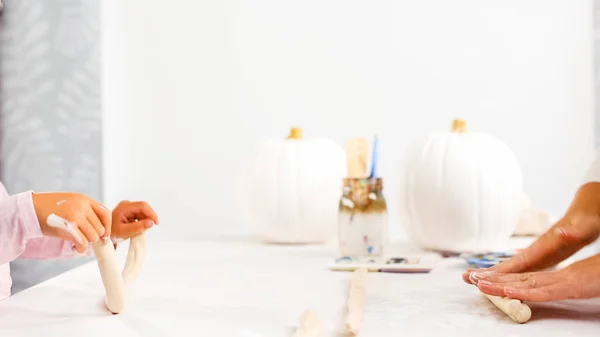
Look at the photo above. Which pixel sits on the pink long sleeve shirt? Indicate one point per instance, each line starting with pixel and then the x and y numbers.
pixel 21 236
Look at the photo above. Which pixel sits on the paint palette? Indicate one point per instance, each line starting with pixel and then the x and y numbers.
pixel 391 264
pixel 487 260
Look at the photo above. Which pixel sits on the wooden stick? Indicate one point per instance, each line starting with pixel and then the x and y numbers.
pixel 513 308
pixel 310 325
pixel 357 153
pixel 356 301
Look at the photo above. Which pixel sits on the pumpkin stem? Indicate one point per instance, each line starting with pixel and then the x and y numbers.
pixel 459 125
pixel 295 133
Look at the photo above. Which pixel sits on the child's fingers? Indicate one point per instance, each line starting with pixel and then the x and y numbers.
pixel 132 229
pixel 145 224
pixel 104 216
pixel 141 210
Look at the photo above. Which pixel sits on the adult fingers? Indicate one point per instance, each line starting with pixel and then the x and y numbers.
pixel 551 248
pixel 80 241
pixel 104 215
pixel 466 276
pixel 499 288
pixel 88 231
pixel 71 234
pixel 97 226
pixel 95 222
pixel 68 231
pixel 553 292
pixel 494 277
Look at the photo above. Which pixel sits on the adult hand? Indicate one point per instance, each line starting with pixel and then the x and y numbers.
pixel 73 217
pixel 132 218
pixel 579 227
pixel 577 281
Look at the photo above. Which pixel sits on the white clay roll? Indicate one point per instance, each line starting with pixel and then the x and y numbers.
pixel 513 308
pixel 135 259
pixel 115 282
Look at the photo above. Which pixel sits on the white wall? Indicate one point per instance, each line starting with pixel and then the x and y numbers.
pixel 116 102
pixel 192 86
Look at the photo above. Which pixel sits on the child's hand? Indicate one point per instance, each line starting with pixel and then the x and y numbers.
pixel 73 217
pixel 132 218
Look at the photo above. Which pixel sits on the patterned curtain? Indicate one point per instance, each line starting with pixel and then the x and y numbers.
pixel 50 115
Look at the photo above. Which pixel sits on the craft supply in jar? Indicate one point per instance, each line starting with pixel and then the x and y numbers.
pixel 362 218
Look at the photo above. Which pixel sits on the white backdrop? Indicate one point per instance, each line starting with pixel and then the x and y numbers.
pixel 190 87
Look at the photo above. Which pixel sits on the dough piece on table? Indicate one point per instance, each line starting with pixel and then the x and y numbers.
pixel 310 325
pixel 115 282
pixel 356 301
pixel 513 308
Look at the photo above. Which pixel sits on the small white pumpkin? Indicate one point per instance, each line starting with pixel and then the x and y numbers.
pixel 293 188
pixel 461 192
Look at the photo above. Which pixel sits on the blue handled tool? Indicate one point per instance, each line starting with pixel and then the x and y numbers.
pixel 374 158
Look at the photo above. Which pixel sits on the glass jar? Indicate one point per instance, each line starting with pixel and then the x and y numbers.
pixel 362 218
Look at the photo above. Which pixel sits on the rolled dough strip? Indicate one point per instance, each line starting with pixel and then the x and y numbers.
pixel 356 301
pixel 135 259
pixel 115 282
pixel 513 308
pixel 310 325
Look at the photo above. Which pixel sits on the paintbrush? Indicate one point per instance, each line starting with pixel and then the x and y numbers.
pixel 374 159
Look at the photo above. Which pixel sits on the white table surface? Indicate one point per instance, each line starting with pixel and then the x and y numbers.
pixel 232 286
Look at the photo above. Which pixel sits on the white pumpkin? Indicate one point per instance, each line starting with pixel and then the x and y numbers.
pixel 293 188
pixel 461 192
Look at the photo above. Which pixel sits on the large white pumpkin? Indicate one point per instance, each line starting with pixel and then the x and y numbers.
pixel 292 189
pixel 461 191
